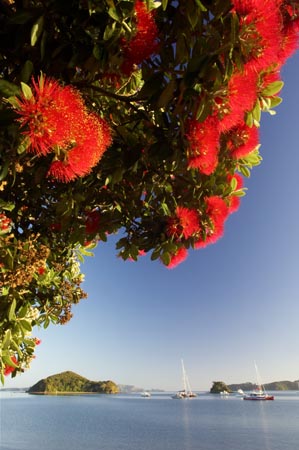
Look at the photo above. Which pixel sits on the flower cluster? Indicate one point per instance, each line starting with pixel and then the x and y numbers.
pixel 185 223
pixel 144 43
pixel 57 122
pixel 268 35
pixel 205 228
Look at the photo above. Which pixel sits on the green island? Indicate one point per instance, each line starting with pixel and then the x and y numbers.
pixel 274 386
pixel 71 383
pixel 220 386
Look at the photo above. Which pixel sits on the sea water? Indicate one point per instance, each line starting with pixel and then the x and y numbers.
pixel 130 422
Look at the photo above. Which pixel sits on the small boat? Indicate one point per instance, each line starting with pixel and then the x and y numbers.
pixel 145 394
pixel 259 393
pixel 224 394
pixel 186 392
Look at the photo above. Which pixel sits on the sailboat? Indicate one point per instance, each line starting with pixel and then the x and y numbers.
pixel 186 392
pixel 259 393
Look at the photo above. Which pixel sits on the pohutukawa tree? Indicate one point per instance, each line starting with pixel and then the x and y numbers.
pixel 136 116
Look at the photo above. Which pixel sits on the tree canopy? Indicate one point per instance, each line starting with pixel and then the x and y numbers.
pixel 135 117
pixel 72 383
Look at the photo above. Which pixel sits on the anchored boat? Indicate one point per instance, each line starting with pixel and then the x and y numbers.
pixel 186 392
pixel 260 392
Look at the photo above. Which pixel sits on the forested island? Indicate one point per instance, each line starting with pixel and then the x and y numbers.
pixel 220 386
pixel 274 386
pixel 72 383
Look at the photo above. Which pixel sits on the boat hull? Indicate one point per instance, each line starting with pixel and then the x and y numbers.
pixel 258 397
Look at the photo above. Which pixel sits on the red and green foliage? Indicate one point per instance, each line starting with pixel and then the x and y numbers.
pixel 140 116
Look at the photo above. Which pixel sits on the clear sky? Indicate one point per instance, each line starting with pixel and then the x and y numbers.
pixel 225 307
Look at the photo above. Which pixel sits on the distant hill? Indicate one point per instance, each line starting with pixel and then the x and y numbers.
pixel 128 388
pixel 275 386
pixel 70 382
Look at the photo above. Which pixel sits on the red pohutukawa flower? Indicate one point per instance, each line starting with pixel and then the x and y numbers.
pixel 260 31
pixel 242 140
pixel 239 99
pixel 178 257
pixel 185 223
pixel 144 43
pixel 51 115
pixel 57 121
pixel 290 31
pixel 233 200
pixel 217 211
pixel 203 140
pixel 9 369
pixel 212 235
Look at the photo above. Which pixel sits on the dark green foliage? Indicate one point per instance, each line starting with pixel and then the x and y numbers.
pixel 70 382
pixel 274 386
pixel 219 386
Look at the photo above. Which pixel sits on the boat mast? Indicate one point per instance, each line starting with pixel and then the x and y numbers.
pixel 258 378
pixel 184 377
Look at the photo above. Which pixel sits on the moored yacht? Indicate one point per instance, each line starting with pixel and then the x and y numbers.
pixel 186 392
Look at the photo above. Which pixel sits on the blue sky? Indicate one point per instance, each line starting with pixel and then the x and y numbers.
pixel 225 307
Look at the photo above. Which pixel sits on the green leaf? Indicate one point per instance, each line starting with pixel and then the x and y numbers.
pixel 8 206
pixel 12 310
pixel 166 258
pixel 239 192
pixel 233 183
pixel 165 209
pixel 167 94
pixel 275 101
pixel 273 88
pixel 85 252
pixel 245 171
pixel 113 13
pixel 27 92
pixel 164 4
pixel 256 112
pixel 36 30
pixel 23 146
pixel 181 49
pixel 22 311
pixel 8 89
pixel 13 101
pixel 6 339
pixel 201 6
pixel 26 71
pixel 249 119
pixel 156 254
pixel 4 170
pixel 25 324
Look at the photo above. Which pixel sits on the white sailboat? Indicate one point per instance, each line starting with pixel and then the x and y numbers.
pixel 186 392
pixel 259 393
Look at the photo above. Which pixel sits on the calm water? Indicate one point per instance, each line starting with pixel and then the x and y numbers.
pixel 159 423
